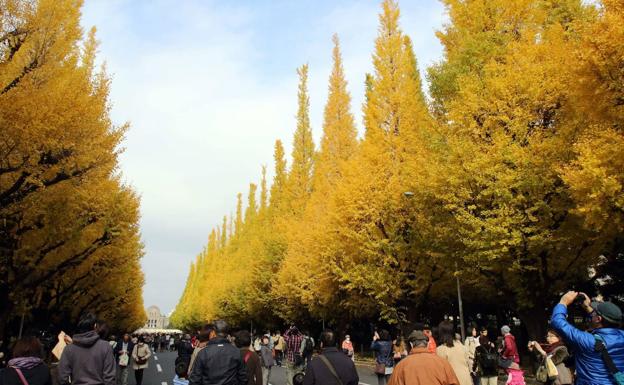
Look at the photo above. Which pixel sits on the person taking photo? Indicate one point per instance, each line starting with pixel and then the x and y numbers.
pixel 598 353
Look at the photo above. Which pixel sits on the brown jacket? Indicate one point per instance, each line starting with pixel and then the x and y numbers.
pixel 252 363
pixel 423 368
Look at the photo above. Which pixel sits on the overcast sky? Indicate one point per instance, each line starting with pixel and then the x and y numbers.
pixel 208 86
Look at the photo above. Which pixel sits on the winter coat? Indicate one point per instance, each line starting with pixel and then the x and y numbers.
pixel 219 363
pixel 88 360
pixel 383 352
pixel 423 368
pixel 558 357
pixel 457 356
pixel 39 375
pixel 510 349
pixel 317 372
pixel 590 367
pixel 140 350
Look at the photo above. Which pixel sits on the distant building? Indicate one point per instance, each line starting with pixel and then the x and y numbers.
pixel 156 320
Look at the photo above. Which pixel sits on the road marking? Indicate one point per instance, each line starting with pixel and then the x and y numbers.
pixel 155 358
pixel 159 368
pixel 163 383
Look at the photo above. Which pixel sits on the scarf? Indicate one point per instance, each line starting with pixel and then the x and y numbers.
pixel 25 362
pixel 549 348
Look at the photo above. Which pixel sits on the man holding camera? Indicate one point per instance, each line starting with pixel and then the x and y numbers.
pixel 599 354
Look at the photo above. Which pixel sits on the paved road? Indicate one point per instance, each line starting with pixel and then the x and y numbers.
pixel 161 372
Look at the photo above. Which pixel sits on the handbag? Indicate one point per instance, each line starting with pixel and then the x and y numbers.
pixel 542 374
pixel 551 369
pixel 123 359
pixel 380 368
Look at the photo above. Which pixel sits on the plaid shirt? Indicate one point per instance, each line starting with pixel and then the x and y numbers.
pixel 293 344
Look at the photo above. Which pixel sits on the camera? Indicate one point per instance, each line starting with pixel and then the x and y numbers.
pixel 580 299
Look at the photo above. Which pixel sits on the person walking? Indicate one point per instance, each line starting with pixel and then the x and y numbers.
pixel 384 363
pixel 294 360
pixel 26 366
pixel 171 346
pixel 421 367
pixel 557 352
pixel 510 357
pixel 219 362
pixel 454 352
pixel 471 343
pixel 331 366
pixel 307 348
pixel 266 359
pixel 242 340
pixel 485 363
pixel 280 344
pixel 88 360
pixel 140 356
pixel 598 354
pixel 122 351
pixel 347 348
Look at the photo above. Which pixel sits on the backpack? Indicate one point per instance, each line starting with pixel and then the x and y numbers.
pixel 309 346
pixel 182 366
pixel 489 360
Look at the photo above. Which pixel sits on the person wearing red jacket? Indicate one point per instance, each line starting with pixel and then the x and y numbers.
pixel 510 350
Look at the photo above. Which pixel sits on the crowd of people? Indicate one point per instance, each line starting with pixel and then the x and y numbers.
pixel 433 357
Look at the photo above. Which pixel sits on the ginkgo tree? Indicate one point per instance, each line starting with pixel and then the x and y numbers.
pixel 69 239
pixel 508 174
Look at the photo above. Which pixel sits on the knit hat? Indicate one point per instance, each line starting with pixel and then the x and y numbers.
pixel 505 329
pixel 608 310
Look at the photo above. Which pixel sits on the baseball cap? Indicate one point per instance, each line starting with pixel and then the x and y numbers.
pixel 608 310
pixel 417 335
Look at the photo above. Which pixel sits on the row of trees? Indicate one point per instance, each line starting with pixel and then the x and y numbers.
pixel 510 175
pixel 69 236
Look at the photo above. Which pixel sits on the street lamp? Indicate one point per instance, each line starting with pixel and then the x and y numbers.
pixel 410 194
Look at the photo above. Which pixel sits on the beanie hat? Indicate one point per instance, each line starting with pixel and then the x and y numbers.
pixel 608 310
pixel 505 329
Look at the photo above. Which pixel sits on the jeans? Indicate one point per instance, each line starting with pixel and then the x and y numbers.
pixel 138 376
pixel 291 370
pixel 122 375
pixel 266 375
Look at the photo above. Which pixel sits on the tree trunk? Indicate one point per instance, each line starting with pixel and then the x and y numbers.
pixel 536 323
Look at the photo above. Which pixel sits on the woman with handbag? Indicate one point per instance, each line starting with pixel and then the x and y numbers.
pixel 384 363
pixel 140 354
pixel 552 370
pixel 26 367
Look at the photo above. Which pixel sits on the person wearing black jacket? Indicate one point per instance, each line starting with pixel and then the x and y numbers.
pixel 220 362
pixel 122 352
pixel 26 362
pixel 486 361
pixel 331 363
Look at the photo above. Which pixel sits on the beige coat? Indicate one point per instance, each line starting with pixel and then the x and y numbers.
pixel 143 351
pixel 457 356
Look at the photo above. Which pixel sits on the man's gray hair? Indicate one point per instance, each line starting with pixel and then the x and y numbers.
pixel 221 328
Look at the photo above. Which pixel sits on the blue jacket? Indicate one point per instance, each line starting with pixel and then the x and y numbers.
pixel 590 368
pixel 383 352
